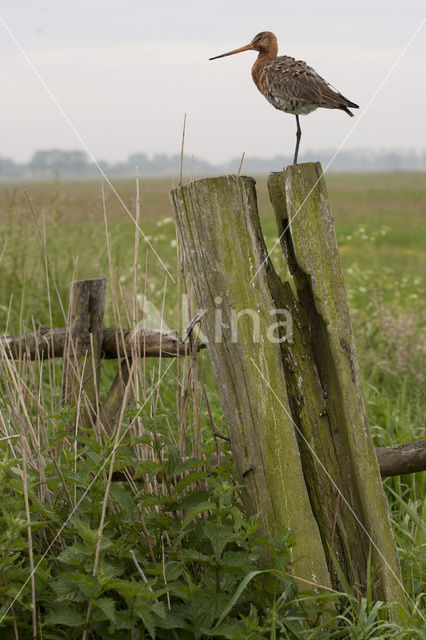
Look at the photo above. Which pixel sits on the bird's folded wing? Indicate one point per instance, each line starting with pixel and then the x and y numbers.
pixel 294 80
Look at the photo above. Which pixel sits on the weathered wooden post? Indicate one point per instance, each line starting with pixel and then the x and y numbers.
pixel 223 246
pixel 343 479
pixel 83 347
pixel 294 408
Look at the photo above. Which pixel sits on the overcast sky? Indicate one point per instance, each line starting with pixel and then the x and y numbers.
pixel 126 71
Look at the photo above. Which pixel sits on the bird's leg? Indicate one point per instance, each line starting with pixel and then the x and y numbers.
pixel 298 136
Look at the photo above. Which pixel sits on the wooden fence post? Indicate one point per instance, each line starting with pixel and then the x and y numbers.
pixel 341 468
pixel 223 246
pixel 294 410
pixel 83 348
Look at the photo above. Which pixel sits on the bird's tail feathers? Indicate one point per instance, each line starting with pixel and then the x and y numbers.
pixel 351 104
pixel 347 103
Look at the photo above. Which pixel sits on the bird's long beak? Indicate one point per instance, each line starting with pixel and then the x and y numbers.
pixel 231 53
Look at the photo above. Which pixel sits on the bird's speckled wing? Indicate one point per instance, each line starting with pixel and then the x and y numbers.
pixel 291 85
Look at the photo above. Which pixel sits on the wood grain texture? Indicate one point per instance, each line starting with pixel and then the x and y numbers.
pixel 223 246
pixel 399 459
pixel 345 456
pixel 295 411
pixel 49 342
pixel 83 347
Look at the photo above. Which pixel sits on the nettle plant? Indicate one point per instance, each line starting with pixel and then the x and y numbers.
pixel 170 559
pixel 172 555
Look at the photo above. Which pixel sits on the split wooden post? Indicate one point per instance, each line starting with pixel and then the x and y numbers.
pixel 83 346
pixel 223 247
pixel 341 469
pixel 294 410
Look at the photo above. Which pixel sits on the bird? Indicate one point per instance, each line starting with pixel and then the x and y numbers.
pixel 290 85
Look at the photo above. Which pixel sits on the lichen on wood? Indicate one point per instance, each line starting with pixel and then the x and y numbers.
pixel 224 247
pixel 343 475
pixel 294 410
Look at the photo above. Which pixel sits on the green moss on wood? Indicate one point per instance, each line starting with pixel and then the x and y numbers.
pixel 223 246
pixel 342 442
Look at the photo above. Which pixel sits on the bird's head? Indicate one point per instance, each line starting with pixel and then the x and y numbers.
pixel 263 42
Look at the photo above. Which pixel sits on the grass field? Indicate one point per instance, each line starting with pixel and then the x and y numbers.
pixel 379 221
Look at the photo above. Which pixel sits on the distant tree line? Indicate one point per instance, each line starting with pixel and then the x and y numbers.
pixel 76 164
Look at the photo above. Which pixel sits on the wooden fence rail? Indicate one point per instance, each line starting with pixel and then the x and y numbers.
pixel 84 343
pixel 47 342
pixel 398 459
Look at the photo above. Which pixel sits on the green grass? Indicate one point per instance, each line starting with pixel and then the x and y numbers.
pixel 381 235
pixel 378 219
pixel 364 206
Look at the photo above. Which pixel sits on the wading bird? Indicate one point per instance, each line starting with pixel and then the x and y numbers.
pixel 290 85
